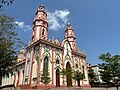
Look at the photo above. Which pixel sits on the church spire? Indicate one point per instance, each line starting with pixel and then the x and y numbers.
pixel 70 36
pixel 40 24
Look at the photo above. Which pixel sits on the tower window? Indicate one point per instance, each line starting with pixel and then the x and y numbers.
pixel 43 31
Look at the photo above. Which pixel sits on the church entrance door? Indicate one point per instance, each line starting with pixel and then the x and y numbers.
pixel 69 80
pixel 57 78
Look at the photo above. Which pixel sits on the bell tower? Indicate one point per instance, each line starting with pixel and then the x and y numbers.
pixel 40 25
pixel 70 36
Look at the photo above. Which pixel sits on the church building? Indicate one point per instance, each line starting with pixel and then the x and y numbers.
pixel 43 53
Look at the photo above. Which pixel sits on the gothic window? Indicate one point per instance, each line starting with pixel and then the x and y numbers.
pixel 57 61
pixel 45 63
pixel 76 65
pixel 74 45
pixel 83 70
pixel 43 31
pixel 23 72
pixel 36 52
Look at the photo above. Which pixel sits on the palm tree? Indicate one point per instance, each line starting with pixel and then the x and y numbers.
pixel 78 76
pixel 69 76
pixel 45 78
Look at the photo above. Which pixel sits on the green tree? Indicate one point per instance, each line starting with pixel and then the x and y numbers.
pixel 9 43
pixel 78 76
pixel 110 66
pixel 92 76
pixel 68 73
pixel 105 74
pixel 45 79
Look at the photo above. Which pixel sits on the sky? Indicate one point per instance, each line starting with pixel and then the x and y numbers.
pixel 96 23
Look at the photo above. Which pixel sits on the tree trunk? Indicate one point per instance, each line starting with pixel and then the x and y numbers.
pixel 117 87
pixel 68 87
pixel 78 81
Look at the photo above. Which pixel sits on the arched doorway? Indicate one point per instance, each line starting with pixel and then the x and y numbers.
pixel 57 78
pixel 69 80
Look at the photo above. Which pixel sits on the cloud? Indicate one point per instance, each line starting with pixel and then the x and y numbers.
pixel 57 19
pixel 23 26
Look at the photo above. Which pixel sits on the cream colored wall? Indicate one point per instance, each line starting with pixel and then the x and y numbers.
pixel 8 80
pixel 65 50
pixel 16 78
pixel 27 67
pixel 31 55
pixel 37 33
pixel 34 71
pixel 21 77
pixel 44 53
pixel 85 81
pixel 57 54
pixel 4 81
pixel 12 78
pixel 66 60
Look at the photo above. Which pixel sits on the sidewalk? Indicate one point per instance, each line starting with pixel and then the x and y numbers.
pixel 113 88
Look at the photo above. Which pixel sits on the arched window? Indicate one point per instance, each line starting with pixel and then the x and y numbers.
pixel 45 66
pixel 43 31
pixel 83 70
pixel 76 65
pixel 57 61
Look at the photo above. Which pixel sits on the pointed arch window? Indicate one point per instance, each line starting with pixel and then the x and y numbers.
pixel 76 66
pixel 43 31
pixel 83 70
pixel 57 61
pixel 45 66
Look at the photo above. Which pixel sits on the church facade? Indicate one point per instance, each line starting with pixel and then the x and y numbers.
pixel 51 55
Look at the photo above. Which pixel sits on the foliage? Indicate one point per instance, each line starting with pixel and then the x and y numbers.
pixel 92 76
pixel 5 2
pixel 9 43
pixel 45 79
pixel 110 69
pixel 68 73
pixel 78 76
pixel 105 73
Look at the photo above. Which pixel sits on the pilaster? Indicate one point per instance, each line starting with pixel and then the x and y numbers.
pixel 14 79
pixel 39 64
pixel 34 34
pixel 31 66
pixel 63 82
pixel 18 78
pixel 73 61
pixel 52 66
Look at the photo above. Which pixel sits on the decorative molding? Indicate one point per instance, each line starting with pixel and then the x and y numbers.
pixel 67 57
pixel 46 54
pixel 46 48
